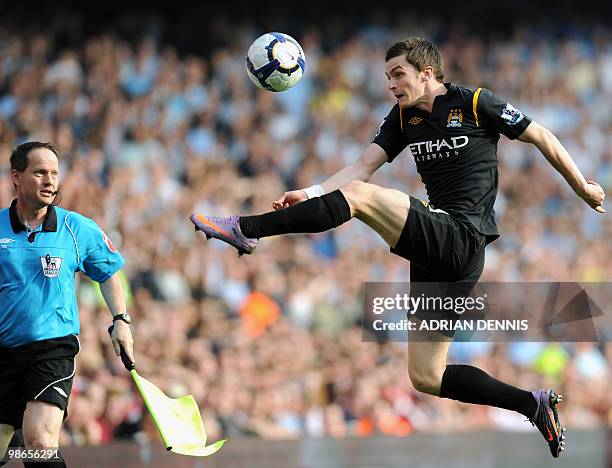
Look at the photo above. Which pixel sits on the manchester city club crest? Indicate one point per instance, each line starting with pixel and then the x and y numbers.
pixel 455 118
pixel 51 265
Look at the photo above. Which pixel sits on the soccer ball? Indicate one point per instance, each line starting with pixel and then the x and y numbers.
pixel 275 61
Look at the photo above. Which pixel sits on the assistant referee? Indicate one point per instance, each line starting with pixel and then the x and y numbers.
pixel 42 246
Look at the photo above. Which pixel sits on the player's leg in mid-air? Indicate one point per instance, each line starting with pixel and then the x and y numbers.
pixel 430 374
pixel 424 235
pixel 447 259
pixel 385 210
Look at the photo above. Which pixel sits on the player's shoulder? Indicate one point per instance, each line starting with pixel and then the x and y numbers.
pixel 395 110
pixel 476 98
pixel 392 119
pixel 468 94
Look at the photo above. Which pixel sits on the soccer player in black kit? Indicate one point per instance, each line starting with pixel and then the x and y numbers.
pixel 452 133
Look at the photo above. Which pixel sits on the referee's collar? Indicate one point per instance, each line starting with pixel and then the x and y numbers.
pixel 49 224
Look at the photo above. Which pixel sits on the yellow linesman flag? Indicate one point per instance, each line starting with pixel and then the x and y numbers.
pixel 178 420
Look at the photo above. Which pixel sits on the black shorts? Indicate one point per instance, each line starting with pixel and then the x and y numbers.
pixel 446 256
pixel 41 371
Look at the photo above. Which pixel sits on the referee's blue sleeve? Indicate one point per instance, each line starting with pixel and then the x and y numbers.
pixel 98 257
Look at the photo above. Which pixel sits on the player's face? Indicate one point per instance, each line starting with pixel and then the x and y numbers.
pixel 405 81
pixel 38 184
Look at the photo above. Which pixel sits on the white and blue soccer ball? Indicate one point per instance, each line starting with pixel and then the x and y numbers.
pixel 275 62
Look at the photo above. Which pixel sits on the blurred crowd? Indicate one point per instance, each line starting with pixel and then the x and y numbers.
pixel 270 344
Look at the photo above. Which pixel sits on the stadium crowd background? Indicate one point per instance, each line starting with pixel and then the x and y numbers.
pixel 270 345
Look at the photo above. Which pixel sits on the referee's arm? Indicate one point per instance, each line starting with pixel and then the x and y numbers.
pixel 552 149
pixel 114 296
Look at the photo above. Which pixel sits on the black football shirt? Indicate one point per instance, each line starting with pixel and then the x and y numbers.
pixel 455 150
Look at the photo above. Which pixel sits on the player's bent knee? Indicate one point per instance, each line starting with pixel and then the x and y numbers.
pixel 361 196
pixel 425 382
pixel 359 190
pixel 354 192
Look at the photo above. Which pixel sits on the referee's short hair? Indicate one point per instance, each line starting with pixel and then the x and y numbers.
pixel 19 156
pixel 420 53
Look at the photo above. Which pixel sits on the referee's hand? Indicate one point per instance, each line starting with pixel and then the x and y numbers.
pixel 289 199
pixel 121 337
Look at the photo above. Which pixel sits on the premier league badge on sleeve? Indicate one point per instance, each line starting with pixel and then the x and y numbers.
pixel 108 243
pixel 51 265
pixel 511 115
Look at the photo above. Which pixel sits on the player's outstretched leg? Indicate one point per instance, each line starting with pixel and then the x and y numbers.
pixel 225 229
pixel 546 419
pixel 315 215
pixel 384 210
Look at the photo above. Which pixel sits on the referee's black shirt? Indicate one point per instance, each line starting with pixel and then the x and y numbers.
pixel 455 150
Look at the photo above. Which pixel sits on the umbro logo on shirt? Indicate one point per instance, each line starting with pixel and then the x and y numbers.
pixel 51 265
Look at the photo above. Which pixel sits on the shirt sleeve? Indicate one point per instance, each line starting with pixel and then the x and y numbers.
pixel 499 115
pixel 390 136
pixel 98 257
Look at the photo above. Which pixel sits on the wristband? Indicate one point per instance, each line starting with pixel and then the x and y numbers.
pixel 314 191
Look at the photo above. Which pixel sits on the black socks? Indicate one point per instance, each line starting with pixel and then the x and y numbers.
pixel 315 215
pixel 472 385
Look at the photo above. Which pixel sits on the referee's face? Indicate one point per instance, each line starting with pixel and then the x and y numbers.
pixel 37 185
pixel 405 81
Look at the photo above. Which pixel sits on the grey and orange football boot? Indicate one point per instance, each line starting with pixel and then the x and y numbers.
pixel 546 419
pixel 225 229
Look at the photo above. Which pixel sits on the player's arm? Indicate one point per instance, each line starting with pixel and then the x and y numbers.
pixel 114 296
pixel 362 169
pixel 389 141
pixel 552 149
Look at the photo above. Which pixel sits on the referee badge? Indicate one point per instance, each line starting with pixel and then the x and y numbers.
pixel 51 265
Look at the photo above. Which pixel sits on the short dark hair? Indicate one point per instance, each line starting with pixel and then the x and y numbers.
pixel 19 156
pixel 420 53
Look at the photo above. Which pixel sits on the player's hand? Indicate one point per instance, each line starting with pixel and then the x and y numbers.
pixel 121 337
pixel 289 199
pixel 593 195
